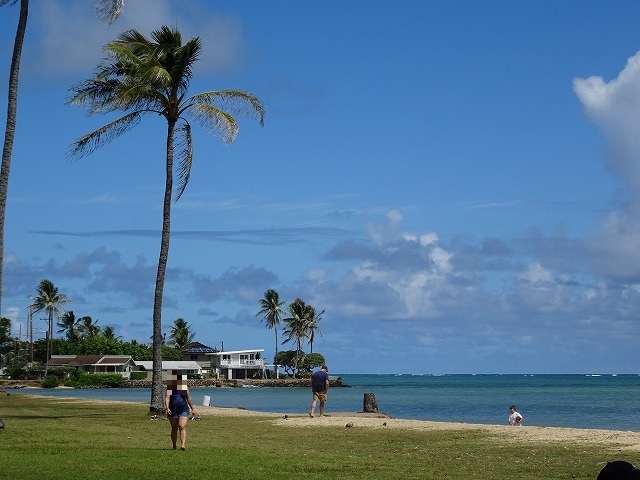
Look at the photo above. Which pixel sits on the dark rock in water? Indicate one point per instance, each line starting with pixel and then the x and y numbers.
pixel 370 404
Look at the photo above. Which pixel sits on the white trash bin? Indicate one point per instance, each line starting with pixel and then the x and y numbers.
pixel 206 401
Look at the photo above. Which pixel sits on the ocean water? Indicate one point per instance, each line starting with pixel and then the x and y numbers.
pixel 577 401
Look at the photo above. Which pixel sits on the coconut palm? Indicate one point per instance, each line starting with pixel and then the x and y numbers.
pixel 181 334
pixel 107 10
pixel 139 77
pixel 296 327
pixel 109 333
pixel 271 312
pixel 49 299
pixel 69 326
pixel 312 326
pixel 88 328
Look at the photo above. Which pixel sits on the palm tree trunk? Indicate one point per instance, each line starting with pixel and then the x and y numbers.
pixel 275 359
pixel 50 334
pixel 10 131
pixel 46 364
pixel 156 379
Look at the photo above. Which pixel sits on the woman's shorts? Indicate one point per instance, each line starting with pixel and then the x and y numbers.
pixel 181 413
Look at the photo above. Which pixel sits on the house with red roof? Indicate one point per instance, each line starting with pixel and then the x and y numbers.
pixel 122 364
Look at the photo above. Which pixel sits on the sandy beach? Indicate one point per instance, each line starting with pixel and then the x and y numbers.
pixel 618 439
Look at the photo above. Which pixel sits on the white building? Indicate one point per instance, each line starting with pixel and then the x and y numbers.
pixel 187 367
pixel 238 364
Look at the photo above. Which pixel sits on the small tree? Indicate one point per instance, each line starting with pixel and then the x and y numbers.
pixel 286 359
pixel 313 360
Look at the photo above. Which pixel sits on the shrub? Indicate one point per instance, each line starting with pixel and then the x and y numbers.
pixel 50 381
pixel 62 372
pixel 138 376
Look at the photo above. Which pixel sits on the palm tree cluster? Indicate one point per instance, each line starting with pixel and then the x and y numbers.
pixel 107 10
pixel 300 325
pixel 84 336
pixel 84 327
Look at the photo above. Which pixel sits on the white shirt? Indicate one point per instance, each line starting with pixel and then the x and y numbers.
pixel 513 419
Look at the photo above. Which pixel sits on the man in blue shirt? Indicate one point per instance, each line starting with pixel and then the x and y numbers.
pixel 319 388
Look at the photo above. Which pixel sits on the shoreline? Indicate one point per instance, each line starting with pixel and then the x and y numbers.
pixel 623 440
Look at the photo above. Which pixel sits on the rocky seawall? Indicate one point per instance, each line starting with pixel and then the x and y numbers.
pixel 282 382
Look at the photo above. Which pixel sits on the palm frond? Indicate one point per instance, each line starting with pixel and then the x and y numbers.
pixel 235 102
pixel 88 143
pixel 215 120
pixel 185 57
pixel 109 10
pixel 184 149
pixel 134 41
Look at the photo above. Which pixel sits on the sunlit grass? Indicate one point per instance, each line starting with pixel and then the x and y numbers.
pixel 46 438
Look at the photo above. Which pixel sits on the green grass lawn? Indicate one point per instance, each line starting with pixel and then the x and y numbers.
pixel 47 439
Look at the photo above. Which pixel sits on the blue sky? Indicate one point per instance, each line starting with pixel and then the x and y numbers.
pixel 455 183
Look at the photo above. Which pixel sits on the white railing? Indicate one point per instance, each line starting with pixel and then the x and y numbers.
pixel 241 364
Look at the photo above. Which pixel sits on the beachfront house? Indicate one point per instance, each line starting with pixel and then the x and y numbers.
pixel 122 364
pixel 238 364
pixel 199 353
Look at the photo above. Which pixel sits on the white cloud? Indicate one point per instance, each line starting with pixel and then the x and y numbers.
pixel 615 107
pixel 614 251
pixel 536 273
pixel 383 232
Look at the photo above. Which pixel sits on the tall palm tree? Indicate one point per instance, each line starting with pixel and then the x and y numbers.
pixel 271 312
pixel 49 299
pixel 181 334
pixel 107 10
pixel 10 130
pixel 312 326
pixel 69 326
pixel 139 77
pixel 296 327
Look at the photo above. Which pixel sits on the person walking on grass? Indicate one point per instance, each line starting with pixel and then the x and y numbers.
pixel 319 388
pixel 177 401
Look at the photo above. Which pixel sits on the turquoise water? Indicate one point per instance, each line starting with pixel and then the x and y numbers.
pixel 578 401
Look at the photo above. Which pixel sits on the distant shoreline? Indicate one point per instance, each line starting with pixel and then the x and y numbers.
pixel 280 383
